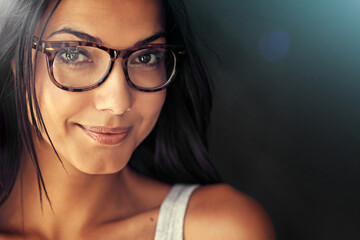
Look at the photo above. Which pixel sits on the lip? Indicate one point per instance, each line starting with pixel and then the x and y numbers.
pixel 106 135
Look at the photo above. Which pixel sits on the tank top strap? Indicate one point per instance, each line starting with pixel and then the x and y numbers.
pixel 170 223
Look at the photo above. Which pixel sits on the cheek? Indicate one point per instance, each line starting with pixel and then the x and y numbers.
pixel 56 105
pixel 149 105
pixel 45 91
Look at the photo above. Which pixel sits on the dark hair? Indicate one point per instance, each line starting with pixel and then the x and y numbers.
pixel 176 151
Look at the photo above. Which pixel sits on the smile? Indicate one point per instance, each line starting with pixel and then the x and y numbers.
pixel 104 135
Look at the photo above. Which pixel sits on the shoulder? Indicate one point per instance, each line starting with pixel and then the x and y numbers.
pixel 221 212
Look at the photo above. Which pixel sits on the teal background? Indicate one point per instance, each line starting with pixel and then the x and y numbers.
pixel 285 126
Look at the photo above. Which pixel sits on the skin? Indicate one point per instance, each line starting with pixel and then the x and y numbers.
pixel 98 196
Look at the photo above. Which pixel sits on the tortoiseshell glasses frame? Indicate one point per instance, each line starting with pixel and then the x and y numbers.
pixel 51 48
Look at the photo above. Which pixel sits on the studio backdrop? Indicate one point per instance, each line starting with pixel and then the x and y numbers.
pixel 286 120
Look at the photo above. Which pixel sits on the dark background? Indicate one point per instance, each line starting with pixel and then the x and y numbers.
pixel 286 118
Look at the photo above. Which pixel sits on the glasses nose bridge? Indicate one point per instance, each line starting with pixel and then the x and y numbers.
pixel 122 54
pixel 115 54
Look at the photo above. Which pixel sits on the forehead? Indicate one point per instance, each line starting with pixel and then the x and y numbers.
pixel 118 23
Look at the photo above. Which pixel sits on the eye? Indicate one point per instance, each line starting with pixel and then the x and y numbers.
pixel 73 56
pixel 147 58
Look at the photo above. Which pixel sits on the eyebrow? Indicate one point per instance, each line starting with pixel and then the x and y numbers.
pixel 87 37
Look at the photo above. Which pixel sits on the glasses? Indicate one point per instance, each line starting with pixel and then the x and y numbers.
pixel 79 66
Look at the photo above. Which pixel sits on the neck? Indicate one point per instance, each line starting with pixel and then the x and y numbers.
pixel 79 201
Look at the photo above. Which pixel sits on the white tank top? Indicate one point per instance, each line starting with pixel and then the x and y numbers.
pixel 170 223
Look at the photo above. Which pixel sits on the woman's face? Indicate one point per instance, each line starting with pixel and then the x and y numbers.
pixel 97 131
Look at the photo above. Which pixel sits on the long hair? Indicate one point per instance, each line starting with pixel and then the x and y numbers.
pixel 176 151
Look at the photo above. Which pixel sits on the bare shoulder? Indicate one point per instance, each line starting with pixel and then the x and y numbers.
pixel 222 212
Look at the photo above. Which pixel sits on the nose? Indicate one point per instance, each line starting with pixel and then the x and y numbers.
pixel 114 94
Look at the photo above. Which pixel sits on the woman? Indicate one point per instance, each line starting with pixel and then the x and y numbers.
pixel 101 134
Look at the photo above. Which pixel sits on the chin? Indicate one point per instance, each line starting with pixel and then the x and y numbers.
pixel 101 169
pixel 101 165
